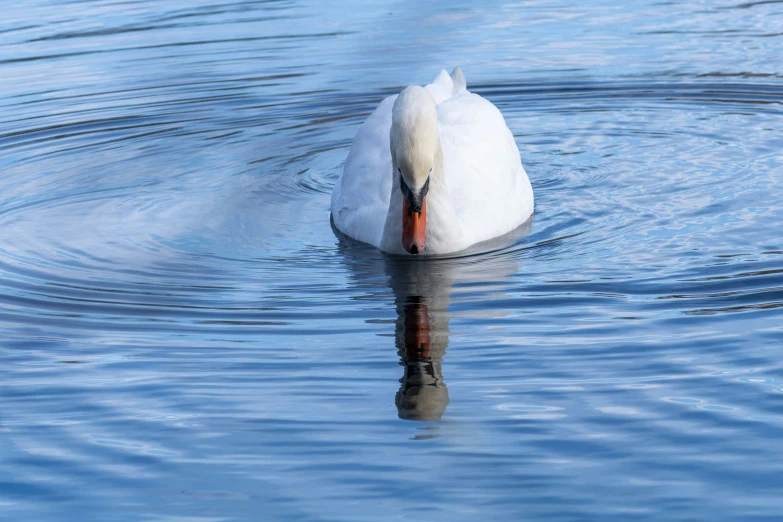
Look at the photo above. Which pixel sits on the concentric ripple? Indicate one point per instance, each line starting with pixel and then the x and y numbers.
pixel 185 337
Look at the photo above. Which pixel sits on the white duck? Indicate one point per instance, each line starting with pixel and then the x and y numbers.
pixel 433 170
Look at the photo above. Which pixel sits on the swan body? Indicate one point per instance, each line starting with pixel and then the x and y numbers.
pixel 432 170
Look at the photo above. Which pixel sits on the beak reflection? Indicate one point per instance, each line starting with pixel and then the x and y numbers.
pixel 423 395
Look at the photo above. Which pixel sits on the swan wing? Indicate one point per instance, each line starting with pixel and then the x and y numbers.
pixel 360 199
pixel 488 186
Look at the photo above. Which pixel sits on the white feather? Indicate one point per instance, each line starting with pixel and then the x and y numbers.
pixel 485 183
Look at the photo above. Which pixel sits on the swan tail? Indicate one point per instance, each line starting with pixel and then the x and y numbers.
pixel 458 80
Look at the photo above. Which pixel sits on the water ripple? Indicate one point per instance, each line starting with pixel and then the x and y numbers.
pixel 186 337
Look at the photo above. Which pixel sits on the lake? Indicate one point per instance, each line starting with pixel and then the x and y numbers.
pixel 184 337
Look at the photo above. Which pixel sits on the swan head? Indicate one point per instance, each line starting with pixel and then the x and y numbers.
pixel 415 144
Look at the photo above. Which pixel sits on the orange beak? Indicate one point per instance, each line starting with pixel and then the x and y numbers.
pixel 414 227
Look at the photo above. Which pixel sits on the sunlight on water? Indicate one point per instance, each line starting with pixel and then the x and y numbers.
pixel 186 338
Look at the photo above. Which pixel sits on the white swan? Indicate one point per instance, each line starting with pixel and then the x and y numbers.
pixel 433 170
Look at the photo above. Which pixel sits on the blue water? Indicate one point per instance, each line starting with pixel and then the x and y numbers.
pixel 183 336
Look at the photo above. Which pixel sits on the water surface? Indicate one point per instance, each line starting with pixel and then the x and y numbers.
pixel 185 338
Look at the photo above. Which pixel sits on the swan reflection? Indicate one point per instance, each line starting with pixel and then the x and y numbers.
pixel 423 289
pixel 422 294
